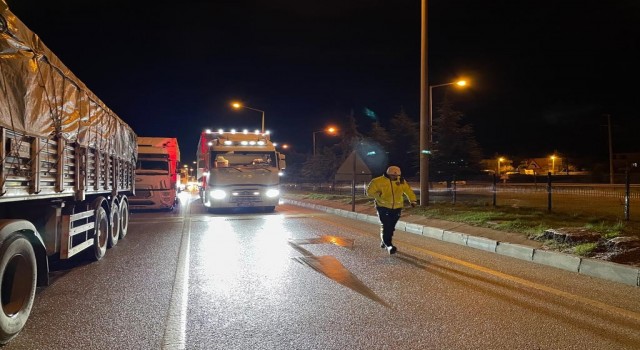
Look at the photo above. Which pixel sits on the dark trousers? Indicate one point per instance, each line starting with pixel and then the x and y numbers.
pixel 388 219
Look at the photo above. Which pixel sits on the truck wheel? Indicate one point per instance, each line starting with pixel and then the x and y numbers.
pixel 18 271
pixel 114 225
pixel 124 218
pixel 101 236
pixel 269 209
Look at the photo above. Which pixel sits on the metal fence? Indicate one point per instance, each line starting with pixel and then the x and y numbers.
pixel 619 202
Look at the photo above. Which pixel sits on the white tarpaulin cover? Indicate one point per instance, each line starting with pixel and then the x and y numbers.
pixel 39 96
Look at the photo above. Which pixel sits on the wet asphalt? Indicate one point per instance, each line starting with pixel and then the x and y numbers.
pixel 301 279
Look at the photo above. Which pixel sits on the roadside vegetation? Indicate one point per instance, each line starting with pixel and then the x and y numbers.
pixel 532 223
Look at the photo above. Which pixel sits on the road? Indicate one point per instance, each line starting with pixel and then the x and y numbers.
pixel 301 279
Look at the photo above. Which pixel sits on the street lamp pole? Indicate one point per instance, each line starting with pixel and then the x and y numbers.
pixel 329 130
pixel 314 142
pixel 239 105
pixel 425 110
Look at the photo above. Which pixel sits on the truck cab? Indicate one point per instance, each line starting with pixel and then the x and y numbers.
pixel 157 177
pixel 239 169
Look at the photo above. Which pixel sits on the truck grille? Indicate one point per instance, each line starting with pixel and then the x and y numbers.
pixel 142 194
pixel 246 195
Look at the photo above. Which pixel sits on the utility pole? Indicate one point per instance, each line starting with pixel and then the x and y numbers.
pixel 610 149
pixel 425 127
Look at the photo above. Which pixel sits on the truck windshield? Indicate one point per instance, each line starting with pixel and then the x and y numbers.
pixel 243 159
pixel 155 166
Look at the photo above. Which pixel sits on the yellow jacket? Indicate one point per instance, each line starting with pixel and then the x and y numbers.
pixel 389 193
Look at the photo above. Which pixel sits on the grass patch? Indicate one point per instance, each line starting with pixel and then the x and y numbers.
pixel 584 249
pixel 531 228
pixel 608 230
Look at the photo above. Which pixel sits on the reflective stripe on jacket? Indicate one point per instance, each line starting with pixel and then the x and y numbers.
pixel 389 193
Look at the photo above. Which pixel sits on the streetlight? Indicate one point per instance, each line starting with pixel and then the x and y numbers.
pixel 330 130
pixel 426 134
pixel 460 83
pixel 553 164
pixel 501 159
pixel 238 105
pixel 424 109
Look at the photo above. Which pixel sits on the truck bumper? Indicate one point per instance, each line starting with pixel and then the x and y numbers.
pixel 230 201
pixel 152 200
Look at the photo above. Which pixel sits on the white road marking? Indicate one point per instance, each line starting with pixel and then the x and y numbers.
pixel 174 337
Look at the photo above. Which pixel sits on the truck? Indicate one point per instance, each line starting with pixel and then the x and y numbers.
pixel 157 174
pixel 238 170
pixel 66 170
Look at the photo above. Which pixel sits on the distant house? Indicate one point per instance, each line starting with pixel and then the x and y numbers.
pixel 495 166
pixel 543 166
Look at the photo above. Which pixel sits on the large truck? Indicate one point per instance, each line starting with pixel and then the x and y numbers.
pixel 66 170
pixel 238 169
pixel 157 173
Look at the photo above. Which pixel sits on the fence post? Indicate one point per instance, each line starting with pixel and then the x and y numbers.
pixel 627 194
pixel 454 190
pixel 549 191
pixel 494 189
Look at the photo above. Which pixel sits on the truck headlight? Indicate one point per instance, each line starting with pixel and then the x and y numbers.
pixel 218 194
pixel 273 193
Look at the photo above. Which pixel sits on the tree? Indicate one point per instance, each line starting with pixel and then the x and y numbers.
pixel 375 148
pixel 350 135
pixel 295 161
pixel 380 135
pixel 405 136
pixel 321 167
pixel 455 149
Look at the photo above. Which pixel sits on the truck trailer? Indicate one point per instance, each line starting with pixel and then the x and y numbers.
pixel 157 173
pixel 66 170
pixel 238 170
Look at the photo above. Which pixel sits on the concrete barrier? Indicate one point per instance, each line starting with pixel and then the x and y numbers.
pixel 350 214
pixel 610 271
pixel 454 237
pixel 414 228
pixel 432 232
pixel 373 219
pixel 559 260
pixel 362 217
pixel 482 243
pixel 515 251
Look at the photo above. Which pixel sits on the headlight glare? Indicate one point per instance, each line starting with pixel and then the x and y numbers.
pixel 218 194
pixel 273 193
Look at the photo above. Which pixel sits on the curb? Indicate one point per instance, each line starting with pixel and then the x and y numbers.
pixel 585 266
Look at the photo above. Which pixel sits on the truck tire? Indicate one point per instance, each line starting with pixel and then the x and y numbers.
pixel 269 208
pixel 114 224
pixel 17 292
pixel 124 218
pixel 101 234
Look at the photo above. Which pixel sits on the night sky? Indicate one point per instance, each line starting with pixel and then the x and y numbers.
pixel 542 73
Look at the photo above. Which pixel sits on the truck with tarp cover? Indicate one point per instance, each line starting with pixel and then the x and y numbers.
pixel 66 168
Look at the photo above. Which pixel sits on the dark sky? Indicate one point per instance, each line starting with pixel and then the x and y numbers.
pixel 542 73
